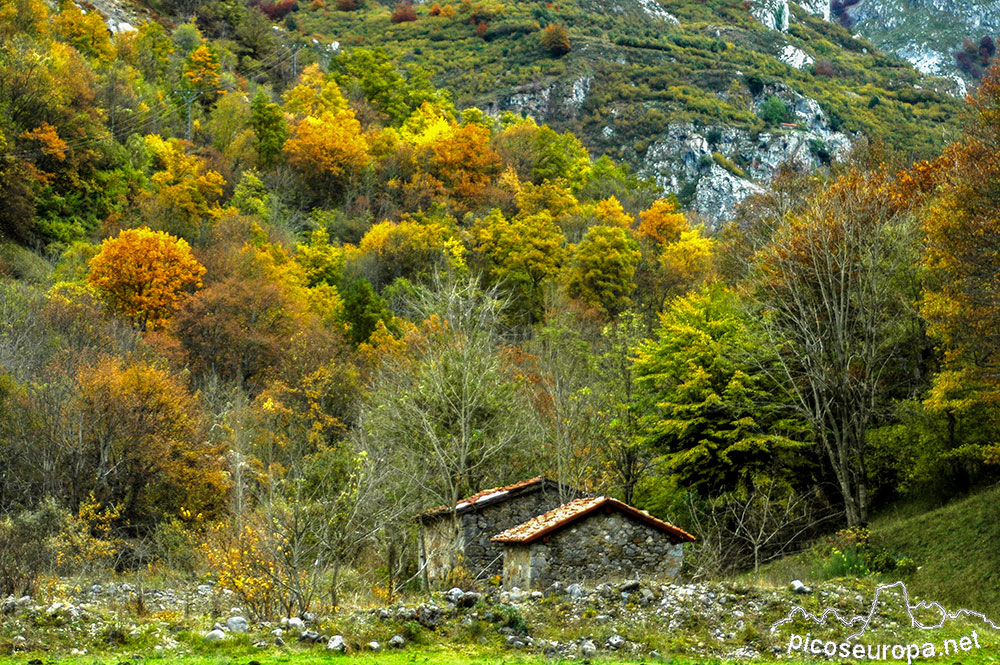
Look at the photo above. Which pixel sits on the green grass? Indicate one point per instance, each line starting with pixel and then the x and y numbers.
pixel 955 548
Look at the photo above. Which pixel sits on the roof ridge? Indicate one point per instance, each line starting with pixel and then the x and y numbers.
pixel 571 511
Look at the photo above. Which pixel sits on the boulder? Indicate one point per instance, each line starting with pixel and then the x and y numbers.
pixel 215 635
pixel 374 646
pixel 237 624
pixel 397 641
pixel 336 643
pixel 588 649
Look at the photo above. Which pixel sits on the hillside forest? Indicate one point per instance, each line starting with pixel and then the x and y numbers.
pixel 258 313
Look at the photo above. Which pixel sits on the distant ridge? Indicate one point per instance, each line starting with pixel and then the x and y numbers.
pixel 865 620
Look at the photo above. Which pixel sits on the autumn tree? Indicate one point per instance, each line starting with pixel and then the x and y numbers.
pixel 124 404
pixel 555 38
pixel 329 151
pixel 144 275
pixel 602 271
pixel 833 291
pixel 184 194
pixel 961 303
pixel 520 255
pixel 201 73
pixel 237 329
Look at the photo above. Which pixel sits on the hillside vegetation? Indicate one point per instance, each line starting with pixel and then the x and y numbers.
pixel 260 306
pixel 629 72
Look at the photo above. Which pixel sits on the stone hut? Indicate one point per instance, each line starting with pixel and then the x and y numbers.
pixel 481 516
pixel 591 540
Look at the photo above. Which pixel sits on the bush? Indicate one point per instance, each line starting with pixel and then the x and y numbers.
pixel 404 13
pixel 29 546
pixel 774 111
pixel 278 10
pixel 555 38
pixel 348 5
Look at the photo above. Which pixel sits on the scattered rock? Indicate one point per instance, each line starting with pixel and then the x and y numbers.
pixel 429 616
pixel 453 595
pixel 800 588
pixel 615 642
pixel 468 599
pixel 237 624
pixel 215 635
pixel 309 636
pixel 295 623
pixel 575 591
pixel 374 646
pixel 397 641
pixel 588 649
pixel 337 644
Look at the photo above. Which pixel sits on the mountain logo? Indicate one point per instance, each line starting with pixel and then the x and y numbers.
pixel 860 623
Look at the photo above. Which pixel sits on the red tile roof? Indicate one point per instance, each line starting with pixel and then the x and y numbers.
pixel 484 497
pixel 566 514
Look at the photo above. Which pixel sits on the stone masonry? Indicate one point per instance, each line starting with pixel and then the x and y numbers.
pixel 598 548
pixel 481 558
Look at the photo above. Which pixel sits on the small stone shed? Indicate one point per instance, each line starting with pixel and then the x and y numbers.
pixel 481 516
pixel 591 540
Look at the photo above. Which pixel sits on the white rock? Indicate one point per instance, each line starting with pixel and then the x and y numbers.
pixel 336 643
pixel 237 624
pixel 215 635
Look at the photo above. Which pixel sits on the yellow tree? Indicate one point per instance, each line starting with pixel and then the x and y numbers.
pixel 329 150
pixel 520 255
pixel 611 213
pixel 185 194
pixel 202 70
pixel 662 222
pixel 144 274
pixel 85 32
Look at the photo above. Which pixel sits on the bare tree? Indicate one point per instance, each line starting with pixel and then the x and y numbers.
pixel 759 522
pixel 833 292
pixel 451 406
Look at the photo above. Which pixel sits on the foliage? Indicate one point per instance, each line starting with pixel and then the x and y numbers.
pixel 144 275
pixel 603 269
pixel 707 402
pixel 555 38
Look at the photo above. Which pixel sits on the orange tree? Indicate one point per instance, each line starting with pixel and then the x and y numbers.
pixel 144 274
pixel 961 302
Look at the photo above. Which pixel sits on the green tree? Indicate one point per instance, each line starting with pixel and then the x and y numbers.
pixel 269 127
pixel 603 269
pixel 520 255
pixel 706 406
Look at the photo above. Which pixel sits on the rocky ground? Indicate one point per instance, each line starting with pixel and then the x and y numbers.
pixel 718 620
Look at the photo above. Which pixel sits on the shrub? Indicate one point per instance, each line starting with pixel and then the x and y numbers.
pixel 774 111
pixel 435 9
pixel 818 148
pixel 348 5
pixel 555 38
pixel 278 10
pixel 404 13
pixel 825 68
pixel 28 546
